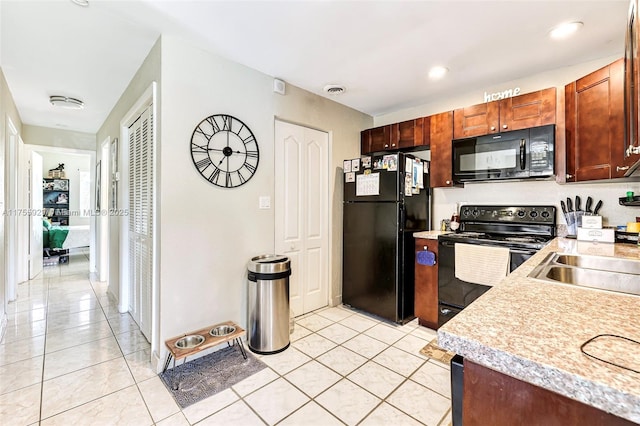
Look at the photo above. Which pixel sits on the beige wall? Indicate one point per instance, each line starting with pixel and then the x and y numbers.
pixel 7 111
pixel 447 200
pixel 59 138
pixel 208 233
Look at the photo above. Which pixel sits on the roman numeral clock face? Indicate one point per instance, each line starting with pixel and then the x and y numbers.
pixel 224 151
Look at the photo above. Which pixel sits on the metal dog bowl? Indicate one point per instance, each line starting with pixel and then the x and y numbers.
pixel 222 330
pixel 191 341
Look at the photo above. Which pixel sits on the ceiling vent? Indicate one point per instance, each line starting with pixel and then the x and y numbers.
pixel 334 89
pixel 66 102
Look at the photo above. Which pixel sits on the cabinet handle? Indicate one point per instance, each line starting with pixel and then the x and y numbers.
pixel 448 182
pixel 504 126
pixel 569 176
pixel 386 146
pixel 393 144
pixel 619 169
pixel 445 311
pixel 493 128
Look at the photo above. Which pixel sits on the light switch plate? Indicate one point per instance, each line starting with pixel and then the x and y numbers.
pixel 264 202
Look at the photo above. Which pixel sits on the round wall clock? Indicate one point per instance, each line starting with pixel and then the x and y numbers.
pixel 224 151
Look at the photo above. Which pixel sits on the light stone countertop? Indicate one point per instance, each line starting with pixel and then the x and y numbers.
pixel 533 330
pixel 429 235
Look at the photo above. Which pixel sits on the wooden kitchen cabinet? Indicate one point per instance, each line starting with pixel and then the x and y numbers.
pixel 410 133
pixel 594 115
pixel 393 137
pixel 426 286
pixel 514 113
pixel 493 398
pixel 375 140
pixel 441 135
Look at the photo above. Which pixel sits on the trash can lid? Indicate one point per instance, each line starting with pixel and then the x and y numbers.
pixel 269 263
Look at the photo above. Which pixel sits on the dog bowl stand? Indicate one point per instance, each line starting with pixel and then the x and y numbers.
pixel 176 353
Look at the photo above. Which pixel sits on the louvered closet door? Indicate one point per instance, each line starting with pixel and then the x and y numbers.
pixel 140 220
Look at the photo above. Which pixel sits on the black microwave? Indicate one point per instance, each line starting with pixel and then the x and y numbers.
pixel 519 154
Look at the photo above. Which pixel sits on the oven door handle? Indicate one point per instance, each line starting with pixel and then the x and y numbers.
pixel 447 243
pixel 523 251
pixel 523 154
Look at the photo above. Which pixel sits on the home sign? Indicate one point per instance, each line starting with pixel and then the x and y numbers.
pixel 488 97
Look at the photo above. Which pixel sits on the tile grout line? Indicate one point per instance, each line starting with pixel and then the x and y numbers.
pixel 382 400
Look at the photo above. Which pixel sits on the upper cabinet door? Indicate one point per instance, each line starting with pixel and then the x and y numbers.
pixel 529 110
pixel 594 111
pixel 365 141
pixel 407 134
pixel 380 138
pixel 441 134
pixel 476 120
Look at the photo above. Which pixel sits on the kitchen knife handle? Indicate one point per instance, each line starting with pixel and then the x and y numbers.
pixel 564 206
pixel 597 207
pixel 587 207
pixel 578 203
pixel 569 204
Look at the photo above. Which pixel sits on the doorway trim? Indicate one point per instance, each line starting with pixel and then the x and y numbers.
pixel 24 232
pixel 147 99
pixel 11 236
pixel 102 221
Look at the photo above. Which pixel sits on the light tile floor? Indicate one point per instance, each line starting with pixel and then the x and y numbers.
pixel 68 357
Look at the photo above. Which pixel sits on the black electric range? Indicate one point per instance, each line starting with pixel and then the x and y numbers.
pixel 522 229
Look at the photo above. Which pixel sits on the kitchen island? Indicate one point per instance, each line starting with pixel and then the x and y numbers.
pixel 532 331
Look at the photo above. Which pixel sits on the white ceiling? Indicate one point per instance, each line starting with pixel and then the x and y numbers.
pixel 381 51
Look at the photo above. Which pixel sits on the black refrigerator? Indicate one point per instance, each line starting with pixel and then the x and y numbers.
pixel 379 219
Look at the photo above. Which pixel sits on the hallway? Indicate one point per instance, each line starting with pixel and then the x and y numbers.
pixel 67 346
pixel 69 358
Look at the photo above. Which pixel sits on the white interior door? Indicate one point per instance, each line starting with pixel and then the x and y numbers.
pixel 140 239
pixel 35 236
pixel 301 212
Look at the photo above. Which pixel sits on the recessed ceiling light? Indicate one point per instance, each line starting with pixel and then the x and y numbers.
pixel 436 73
pixel 66 102
pixel 564 30
pixel 334 89
pixel 83 3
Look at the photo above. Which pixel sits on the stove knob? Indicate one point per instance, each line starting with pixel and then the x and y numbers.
pixel 545 214
pixel 466 212
pixel 475 213
pixel 521 213
pixel 533 214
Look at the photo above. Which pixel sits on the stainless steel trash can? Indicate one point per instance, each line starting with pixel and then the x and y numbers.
pixel 268 307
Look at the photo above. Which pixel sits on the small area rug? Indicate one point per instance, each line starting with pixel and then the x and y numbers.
pixel 432 350
pixel 210 374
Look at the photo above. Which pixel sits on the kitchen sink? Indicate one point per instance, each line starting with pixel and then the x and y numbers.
pixel 612 264
pixel 604 273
